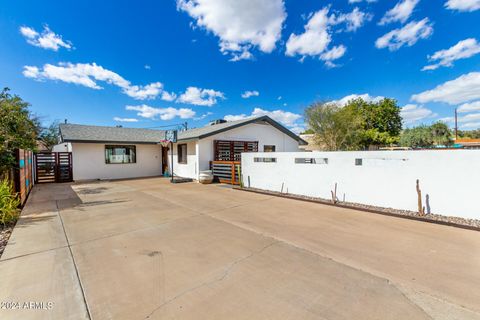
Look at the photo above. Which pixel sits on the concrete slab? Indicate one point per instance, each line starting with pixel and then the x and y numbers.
pixel 46 279
pixel 443 261
pixel 150 249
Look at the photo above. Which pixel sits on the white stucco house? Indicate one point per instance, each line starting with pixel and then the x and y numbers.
pixel 115 152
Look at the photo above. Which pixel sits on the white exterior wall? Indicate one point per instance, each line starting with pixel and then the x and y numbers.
pixel 62 147
pixel 263 133
pixel 190 169
pixel 450 178
pixel 89 162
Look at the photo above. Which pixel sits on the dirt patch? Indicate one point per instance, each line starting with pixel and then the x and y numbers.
pixel 472 224
pixel 5 232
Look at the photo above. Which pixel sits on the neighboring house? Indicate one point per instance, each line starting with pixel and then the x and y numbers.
pixel 117 152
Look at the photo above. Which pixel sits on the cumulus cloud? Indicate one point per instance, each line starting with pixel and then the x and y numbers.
pixel 168 96
pixel 462 50
pixel 401 12
pixel 463 5
pixel 366 97
pixel 407 35
pixel 239 25
pixel 463 89
pixel 247 94
pixel 88 75
pixel 412 113
pixel 47 39
pixel 125 119
pixel 200 97
pixel 316 38
pixel 469 107
pixel 153 113
pixel 287 118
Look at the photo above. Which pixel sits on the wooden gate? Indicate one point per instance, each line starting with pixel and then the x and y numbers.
pixel 53 167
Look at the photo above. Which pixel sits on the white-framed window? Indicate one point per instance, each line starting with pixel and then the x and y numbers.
pixel 115 154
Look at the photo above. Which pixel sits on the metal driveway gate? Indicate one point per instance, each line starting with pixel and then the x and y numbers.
pixel 53 167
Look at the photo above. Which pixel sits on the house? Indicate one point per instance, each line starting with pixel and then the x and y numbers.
pixel 116 152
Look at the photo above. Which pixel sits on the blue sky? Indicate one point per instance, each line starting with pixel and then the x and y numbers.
pixel 156 63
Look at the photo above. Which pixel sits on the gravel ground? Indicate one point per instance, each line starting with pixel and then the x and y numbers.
pixel 470 223
pixel 5 232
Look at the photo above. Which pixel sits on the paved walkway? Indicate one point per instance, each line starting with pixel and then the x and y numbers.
pixel 147 249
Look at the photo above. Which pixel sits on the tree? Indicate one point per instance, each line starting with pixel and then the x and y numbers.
pixel 49 135
pixel 18 128
pixel 418 137
pixel 357 125
pixel 335 128
pixel 441 134
pixel 437 134
pixel 382 122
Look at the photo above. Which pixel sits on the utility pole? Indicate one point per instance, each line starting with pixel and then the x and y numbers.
pixel 456 125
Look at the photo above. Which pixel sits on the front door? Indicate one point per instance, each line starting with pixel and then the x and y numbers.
pixel 164 159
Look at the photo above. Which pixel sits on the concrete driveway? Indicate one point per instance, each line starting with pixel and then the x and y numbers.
pixel 148 249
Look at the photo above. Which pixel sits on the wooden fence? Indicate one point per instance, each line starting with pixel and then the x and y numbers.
pixel 23 174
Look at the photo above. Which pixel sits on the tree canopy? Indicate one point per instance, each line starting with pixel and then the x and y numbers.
pixel 18 128
pixel 49 135
pixel 437 134
pixel 358 125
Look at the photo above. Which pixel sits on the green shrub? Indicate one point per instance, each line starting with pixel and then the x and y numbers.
pixel 9 203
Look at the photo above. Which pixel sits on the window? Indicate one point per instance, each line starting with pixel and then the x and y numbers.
pixel 182 153
pixel 120 154
pixel 264 159
pixel 268 148
pixel 358 162
pixel 312 160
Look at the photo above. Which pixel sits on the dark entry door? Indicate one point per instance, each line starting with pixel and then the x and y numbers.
pixel 53 167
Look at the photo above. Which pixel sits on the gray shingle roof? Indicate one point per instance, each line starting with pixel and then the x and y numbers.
pixel 203 132
pixel 78 132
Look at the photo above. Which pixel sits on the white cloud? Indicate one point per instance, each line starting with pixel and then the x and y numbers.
pixel 462 50
pixel 412 113
pixel 469 121
pixel 469 107
pixel 358 1
pixel 125 119
pixel 286 118
pixel 149 112
pixel 46 40
pixel 401 12
pixel 366 97
pixel 462 89
pixel 89 75
pixel 168 96
pixel 200 97
pixel 353 20
pixel 240 25
pixel 148 67
pixel 203 116
pixel 316 38
pixel 463 5
pixel 471 125
pixel 407 35
pixel 247 94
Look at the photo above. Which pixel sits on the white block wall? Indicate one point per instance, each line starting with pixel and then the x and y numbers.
pixel 449 178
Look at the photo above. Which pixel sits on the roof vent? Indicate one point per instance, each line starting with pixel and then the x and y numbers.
pixel 218 121
pixel 118 126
